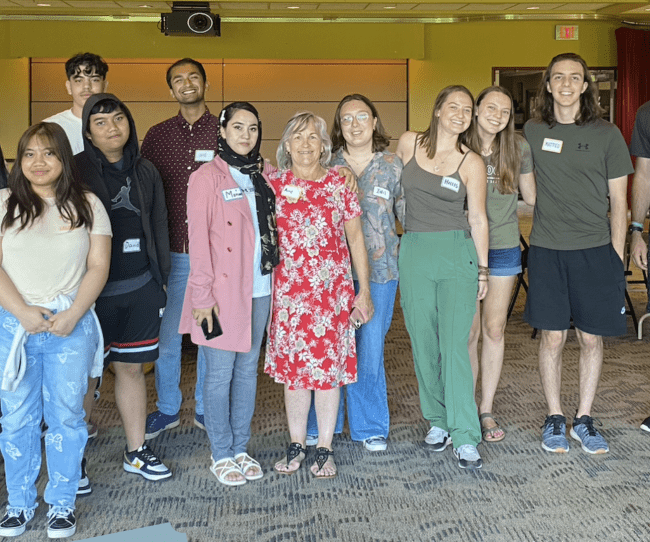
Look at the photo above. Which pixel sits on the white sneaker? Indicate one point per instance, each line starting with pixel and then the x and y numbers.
pixel 375 444
pixel 437 438
pixel 468 457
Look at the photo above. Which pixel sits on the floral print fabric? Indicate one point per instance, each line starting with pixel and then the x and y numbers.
pixel 311 342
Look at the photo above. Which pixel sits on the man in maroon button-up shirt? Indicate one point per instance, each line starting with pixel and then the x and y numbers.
pixel 178 147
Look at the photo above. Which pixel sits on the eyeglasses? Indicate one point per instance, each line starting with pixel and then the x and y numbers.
pixel 362 118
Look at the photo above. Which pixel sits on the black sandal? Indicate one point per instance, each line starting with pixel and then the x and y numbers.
pixel 293 451
pixel 322 455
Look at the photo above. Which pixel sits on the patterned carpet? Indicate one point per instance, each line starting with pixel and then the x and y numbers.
pixel 407 493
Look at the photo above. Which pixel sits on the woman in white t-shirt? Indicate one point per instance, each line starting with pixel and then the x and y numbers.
pixel 54 258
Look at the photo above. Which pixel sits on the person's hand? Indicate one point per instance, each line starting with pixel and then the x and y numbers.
pixel 32 318
pixel 482 289
pixel 63 323
pixel 639 251
pixel 363 302
pixel 205 314
pixel 350 179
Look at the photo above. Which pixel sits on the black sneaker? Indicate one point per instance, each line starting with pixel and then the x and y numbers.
pixel 144 461
pixel 84 483
pixel 13 524
pixel 646 424
pixel 61 522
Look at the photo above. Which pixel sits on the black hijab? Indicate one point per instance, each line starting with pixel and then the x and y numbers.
pixel 252 164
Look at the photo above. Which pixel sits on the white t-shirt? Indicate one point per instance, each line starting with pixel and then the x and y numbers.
pixel 72 127
pixel 48 258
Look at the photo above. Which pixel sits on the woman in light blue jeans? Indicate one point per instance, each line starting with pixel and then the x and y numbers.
pixel 233 249
pixel 54 257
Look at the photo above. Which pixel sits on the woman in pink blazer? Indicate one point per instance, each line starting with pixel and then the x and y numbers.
pixel 233 249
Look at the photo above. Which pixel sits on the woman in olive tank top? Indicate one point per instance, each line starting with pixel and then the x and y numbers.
pixel 443 269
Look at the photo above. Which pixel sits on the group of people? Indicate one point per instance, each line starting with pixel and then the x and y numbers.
pixel 197 233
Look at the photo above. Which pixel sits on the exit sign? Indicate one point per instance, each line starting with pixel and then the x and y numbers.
pixel 566 32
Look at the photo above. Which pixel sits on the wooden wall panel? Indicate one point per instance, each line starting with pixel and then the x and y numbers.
pixel 315 83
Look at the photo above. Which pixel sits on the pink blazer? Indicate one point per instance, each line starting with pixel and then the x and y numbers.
pixel 222 238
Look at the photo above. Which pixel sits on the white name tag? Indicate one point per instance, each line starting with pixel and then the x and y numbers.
pixel 292 192
pixel 552 145
pixel 232 194
pixel 450 183
pixel 131 245
pixel 381 192
pixel 203 155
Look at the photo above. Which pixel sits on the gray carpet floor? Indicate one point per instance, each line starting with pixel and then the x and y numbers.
pixel 407 493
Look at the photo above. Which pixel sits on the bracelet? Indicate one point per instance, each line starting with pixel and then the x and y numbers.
pixel 638 224
pixel 482 270
pixel 483 280
pixel 634 227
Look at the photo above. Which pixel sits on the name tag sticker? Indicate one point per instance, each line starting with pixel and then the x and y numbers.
pixel 203 155
pixel 450 183
pixel 552 145
pixel 232 194
pixel 292 193
pixel 131 245
pixel 381 192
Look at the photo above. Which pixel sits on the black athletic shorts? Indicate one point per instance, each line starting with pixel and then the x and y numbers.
pixel 131 324
pixel 587 285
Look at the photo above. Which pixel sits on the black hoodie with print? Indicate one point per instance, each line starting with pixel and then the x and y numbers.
pixel 149 208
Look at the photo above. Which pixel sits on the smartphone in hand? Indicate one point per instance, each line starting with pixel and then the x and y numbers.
pixel 216 327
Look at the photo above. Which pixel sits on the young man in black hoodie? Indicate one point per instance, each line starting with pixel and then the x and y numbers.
pixel 131 306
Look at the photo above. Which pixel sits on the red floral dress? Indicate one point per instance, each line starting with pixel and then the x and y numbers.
pixel 311 342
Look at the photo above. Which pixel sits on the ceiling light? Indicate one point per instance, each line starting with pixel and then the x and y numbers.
pixel 293 7
pixel 43 5
pixel 390 7
pixel 533 7
pixel 145 6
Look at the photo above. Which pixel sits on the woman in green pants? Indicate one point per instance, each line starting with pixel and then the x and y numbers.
pixel 443 268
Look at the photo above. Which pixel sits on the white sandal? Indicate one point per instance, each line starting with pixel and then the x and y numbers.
pixel 223 468
pixel 246 463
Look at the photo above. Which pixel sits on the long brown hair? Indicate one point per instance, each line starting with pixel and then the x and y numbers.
pixel 590 109
pixel 429 138
pixel 380 138
pixel 506 153
pixel 25 205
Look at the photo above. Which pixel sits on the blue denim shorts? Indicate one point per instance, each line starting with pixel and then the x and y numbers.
pixel 504 262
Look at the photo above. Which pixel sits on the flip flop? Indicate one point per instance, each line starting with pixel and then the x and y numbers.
pixel 322 456
pixel 293 451
pixel 488 434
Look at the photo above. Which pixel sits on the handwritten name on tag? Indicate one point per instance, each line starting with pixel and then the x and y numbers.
pixel 203 155
pixel 131 245
pixel 381 192
pixel 232 194
pixel 552 145
pixel 450 183
pixel 292 193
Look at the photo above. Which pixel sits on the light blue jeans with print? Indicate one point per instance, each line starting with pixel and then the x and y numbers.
pixel 53 389
pixel 230 387
pixel 168 364
pixel 367 400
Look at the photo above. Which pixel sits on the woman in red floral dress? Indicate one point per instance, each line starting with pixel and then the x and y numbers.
pixel 311 343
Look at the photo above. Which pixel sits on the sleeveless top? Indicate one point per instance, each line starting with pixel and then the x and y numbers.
pixel 434 203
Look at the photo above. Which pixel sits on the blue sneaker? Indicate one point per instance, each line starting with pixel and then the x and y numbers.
pixel 199 421
pixel 554 434
pixel 592 441
pixel 157 422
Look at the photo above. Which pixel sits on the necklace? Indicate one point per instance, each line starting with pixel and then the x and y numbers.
pixel 358 163
pixel 436 168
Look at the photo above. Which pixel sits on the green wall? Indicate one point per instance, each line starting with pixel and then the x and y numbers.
pixel 440 54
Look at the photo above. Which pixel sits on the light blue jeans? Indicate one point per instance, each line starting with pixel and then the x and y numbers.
pixel 367 400
pixel 168 364
pixel 53 389
pixel 230 387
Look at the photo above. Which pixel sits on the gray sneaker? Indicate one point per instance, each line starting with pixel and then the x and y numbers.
pixel 554 434
pixel 592 441
pixel 438 439
pixel 468 457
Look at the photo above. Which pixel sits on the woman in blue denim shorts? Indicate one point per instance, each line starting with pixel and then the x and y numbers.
pixel 54 257
pixel 509 165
